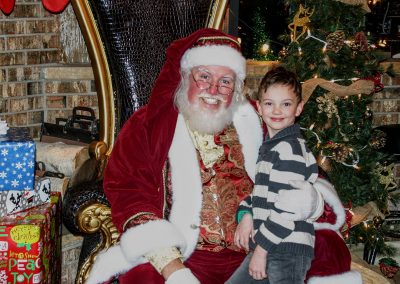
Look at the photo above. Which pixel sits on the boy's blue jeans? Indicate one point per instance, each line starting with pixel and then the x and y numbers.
pixel 282 268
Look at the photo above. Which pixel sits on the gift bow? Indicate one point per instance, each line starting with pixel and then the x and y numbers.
pixel 54 6
pixel 3 127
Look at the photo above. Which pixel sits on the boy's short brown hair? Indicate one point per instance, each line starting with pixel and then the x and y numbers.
pixel 279 76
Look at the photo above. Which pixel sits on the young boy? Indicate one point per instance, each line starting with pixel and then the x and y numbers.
pixel 283 249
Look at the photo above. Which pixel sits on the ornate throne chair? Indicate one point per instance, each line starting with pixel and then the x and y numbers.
pixel 126 41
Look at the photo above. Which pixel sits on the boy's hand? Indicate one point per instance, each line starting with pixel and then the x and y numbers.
pixel 244 231
pixel 258 264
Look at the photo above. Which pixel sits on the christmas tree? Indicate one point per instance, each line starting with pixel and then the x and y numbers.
pixel 262 44
pixel 329 50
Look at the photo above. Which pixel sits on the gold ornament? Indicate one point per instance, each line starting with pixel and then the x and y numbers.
pixel 300 20
pixel 386 176
pixel 324 163
pixel 283 53
pixel 326 104
pixel 362 3
pixel 378 221
pixel 335 41
pixel 339 152
pixel 378 141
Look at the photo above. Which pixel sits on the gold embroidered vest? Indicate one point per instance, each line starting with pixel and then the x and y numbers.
pixel 225 184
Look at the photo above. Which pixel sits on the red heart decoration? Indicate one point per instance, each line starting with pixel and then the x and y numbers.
pixel 55 6
pixel 7 6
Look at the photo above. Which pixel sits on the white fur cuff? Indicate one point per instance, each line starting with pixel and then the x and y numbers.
pixel 353 277
pixel 139 240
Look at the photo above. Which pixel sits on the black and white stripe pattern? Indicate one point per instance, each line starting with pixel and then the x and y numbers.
pixel 283 158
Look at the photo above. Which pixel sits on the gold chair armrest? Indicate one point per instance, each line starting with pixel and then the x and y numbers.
pixel 92 219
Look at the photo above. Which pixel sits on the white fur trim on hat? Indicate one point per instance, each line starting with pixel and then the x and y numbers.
pixel 330 196
pixel 221 55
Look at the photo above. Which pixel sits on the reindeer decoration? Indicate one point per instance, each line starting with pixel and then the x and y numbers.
pixel 301 20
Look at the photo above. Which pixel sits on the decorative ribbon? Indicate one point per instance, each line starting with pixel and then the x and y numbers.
pixel 54 6
pixel 377 81
pixel 362 86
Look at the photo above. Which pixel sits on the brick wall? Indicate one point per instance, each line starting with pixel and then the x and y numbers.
pixel 44 66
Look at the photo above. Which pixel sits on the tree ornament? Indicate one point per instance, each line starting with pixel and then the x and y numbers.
pixel 368 113
pixel 360 42
pixel 326 104
pixel 378 140
pixel 300 20
pixel 339 152
pixel 386 176
pixel 335 41
pixel 283 53
pixel 325 163
pixel 378 221
pixel 362 3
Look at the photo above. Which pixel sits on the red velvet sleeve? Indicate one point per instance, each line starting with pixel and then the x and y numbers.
pixel 132 182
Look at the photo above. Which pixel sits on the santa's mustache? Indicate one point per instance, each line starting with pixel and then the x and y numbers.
pixel 214 97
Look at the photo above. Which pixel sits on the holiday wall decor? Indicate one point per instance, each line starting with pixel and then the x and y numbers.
pixel 54 6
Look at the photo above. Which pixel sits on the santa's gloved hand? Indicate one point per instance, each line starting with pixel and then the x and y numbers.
pixel 182 276
pixel 302 203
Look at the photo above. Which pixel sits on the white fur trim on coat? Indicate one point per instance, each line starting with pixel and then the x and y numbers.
pixel 330 196
pixel 250 132
pixel 350 277
pixel 187 187
pixel 222 55
pixel 134 243
pixel 108 264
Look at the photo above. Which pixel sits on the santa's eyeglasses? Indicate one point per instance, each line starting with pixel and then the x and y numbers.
pixel 204 81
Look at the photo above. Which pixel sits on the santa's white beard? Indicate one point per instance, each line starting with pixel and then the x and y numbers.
pixel 203 120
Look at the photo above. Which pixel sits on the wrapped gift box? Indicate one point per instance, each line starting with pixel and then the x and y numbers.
pixel 13 201
pixel 17 160
pixel 30 244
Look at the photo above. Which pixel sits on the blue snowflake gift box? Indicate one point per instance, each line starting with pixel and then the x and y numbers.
pixel 17 160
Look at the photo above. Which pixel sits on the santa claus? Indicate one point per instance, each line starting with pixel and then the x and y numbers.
pixel 182 164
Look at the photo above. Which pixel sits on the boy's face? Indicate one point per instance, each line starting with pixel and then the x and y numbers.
pixel 279 108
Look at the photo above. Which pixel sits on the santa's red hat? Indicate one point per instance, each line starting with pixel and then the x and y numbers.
pixel 215 50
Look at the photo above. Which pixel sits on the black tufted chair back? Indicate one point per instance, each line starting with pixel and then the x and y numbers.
pixel 135 34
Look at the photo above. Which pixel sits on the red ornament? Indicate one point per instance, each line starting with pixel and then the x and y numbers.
pixel 361 41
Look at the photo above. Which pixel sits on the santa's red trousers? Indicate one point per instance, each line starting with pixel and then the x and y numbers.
pixel 331 257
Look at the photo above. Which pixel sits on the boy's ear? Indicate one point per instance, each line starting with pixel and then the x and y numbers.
pixel 258 107
pixel 299 108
